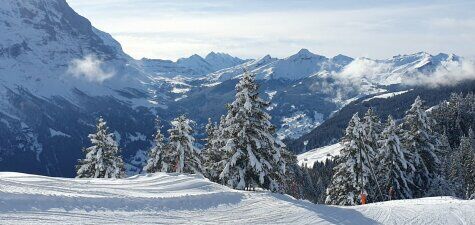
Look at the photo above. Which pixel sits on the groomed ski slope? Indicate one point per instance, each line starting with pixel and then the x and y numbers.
pixel 188 199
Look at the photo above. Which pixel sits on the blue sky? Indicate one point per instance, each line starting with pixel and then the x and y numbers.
pixel 252 29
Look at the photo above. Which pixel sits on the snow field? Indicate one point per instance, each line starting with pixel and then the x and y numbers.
pixel 191 199
pixel 319 155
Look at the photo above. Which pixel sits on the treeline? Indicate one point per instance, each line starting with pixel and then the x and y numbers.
pixel 411 158
pixel 241 151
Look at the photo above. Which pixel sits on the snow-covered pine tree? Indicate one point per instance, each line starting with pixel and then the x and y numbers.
pixel 421 141
pixel 181 153
pixel 467 153
pixel 352 175
pixel 252 153
pixel 394 168
pixel 445 151
pixel 455 176
pixel 213 162
pixel 372 129
pixel 155 162
pixel 102 159
pixel 441 184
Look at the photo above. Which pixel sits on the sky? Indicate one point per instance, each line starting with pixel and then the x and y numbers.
pixel 253 28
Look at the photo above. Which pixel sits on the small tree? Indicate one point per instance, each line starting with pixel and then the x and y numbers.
pixel 181 153
pixel 252 153
pixel 213 162
pixel 102 159
pixel 155 162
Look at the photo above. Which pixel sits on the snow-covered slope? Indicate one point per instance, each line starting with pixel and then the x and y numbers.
pixel 386 95
pixel 319 155
pixel 190 199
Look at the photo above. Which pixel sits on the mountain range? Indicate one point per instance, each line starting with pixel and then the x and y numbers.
pixel 58 74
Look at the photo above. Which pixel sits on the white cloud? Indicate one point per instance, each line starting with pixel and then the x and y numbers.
pixel 450 73
pixel 89 68
pixel 363 67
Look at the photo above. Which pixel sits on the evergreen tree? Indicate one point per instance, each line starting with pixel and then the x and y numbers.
pixel 421 141
pixel 155 162
pixel 445 151
pixel 181 154
pixel 372 129
pixel 455 176
pixel 467 153
pixel 102 159
pixel 352 174
pixel 213 162
pixel 252 153
pixel 394 169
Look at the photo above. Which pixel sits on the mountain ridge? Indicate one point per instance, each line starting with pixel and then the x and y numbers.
pixel 194 66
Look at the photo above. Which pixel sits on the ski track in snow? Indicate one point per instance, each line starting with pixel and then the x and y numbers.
pixel 191 199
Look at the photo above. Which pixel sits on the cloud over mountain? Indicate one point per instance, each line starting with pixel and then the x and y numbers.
pixel 450 73
pixel 90 68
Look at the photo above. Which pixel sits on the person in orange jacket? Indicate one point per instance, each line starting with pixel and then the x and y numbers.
pixel 363 197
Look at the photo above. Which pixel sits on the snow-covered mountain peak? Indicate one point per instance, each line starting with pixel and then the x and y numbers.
pixel 304 51
pixel 39 23
pixel 222 60
pixel 342 59
pixel 266 57
pixel 49 49
pixel 264 60
pixel 305 54
pixel 193 59
pixel 214 55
